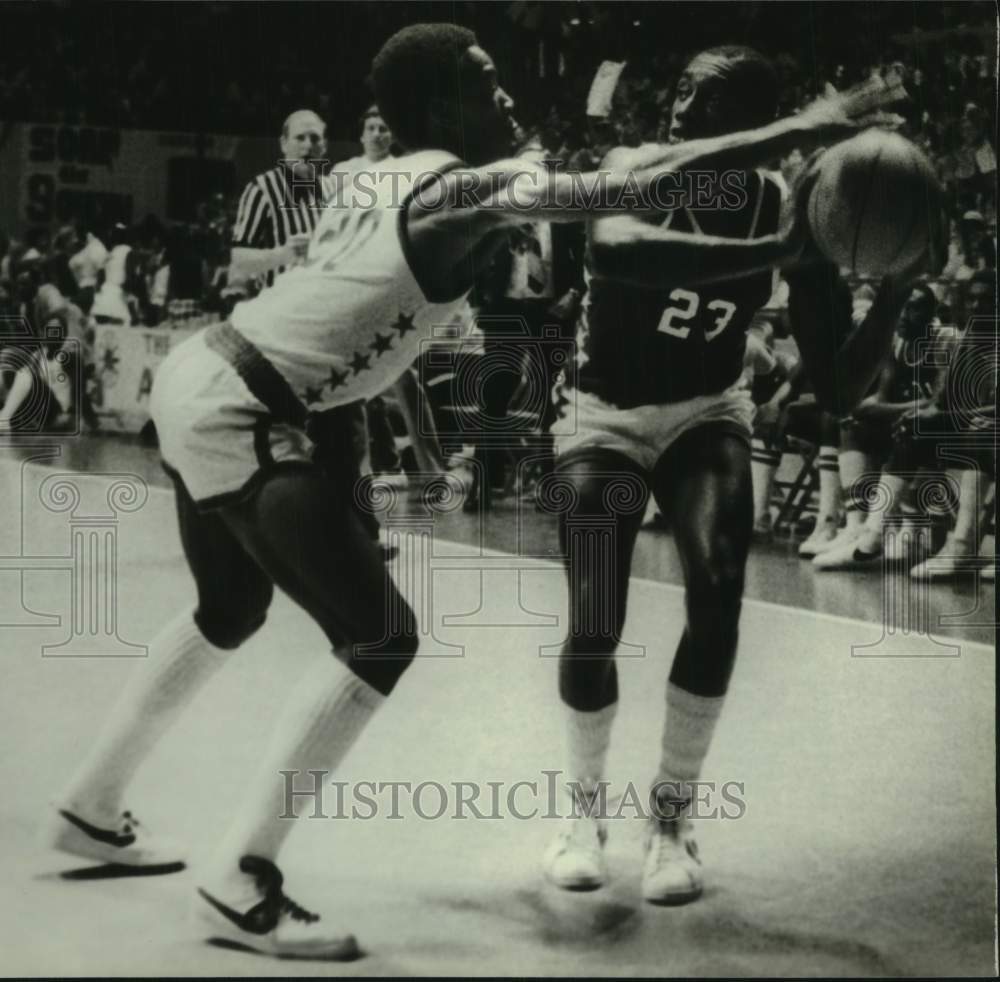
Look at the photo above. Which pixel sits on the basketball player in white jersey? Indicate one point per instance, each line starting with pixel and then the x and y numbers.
pixel 232 408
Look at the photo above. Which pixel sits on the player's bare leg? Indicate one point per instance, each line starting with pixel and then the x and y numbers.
pixel 703 482
pixel 598 568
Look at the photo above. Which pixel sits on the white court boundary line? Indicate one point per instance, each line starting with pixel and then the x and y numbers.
pixel 645 581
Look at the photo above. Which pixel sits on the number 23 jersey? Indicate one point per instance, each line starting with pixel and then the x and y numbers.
pixel 642 345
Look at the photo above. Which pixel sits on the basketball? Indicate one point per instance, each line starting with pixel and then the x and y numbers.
pixel 873 204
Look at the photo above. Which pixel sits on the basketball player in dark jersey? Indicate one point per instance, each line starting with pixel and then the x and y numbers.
pixel 657 406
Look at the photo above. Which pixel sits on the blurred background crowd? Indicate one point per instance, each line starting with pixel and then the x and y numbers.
pixel 197 68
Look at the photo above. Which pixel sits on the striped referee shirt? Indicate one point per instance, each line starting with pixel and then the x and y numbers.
pixel 272 209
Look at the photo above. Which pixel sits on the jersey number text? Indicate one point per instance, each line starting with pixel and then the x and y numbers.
pixel 673 321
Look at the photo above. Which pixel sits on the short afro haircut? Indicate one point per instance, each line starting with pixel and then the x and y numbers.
pixel 418 64
pixel 753 83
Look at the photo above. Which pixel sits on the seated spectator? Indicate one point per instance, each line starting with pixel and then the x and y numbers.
pixel 958 430
pixel 972 248
pixel 43 378
pixel 85 265
pixel 911 380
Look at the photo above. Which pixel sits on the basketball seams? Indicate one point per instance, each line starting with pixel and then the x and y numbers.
pixel 863 211
pixel 916 171
pixel 867 211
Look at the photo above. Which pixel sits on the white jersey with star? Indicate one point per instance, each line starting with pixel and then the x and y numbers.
pixel 352 318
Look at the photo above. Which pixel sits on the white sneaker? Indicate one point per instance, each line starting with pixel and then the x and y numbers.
pixel 862 551
pixel 821 539
pixel 257 916
pixel 128 842
pixel 843 536
pixel 989 572
pixel 955 559
pixel 672 873
pixel 575 859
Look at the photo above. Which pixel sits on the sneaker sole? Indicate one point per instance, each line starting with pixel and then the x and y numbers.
pixel 348 951
pixel 674 899
pixel 576 885
pixel 218 932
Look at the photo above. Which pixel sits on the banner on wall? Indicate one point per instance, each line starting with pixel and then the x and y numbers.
pixel 125 363
pixel 54 174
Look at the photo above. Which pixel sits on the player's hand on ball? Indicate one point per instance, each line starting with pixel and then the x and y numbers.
pixel 836 115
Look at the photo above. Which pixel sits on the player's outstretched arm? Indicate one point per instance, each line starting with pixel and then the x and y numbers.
pixel 247 263
pixel 842 360
pixel 476 202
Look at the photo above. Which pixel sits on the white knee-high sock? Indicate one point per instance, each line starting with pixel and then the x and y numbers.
pixel 970 496
pixel 179 663
pixel 322 720
pixel 588 737
pixel 687 734
pixel 892 487
pixel 829 485
pixel 852 465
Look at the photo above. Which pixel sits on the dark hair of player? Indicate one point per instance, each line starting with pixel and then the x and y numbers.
pixel 751 82
pixel 416 65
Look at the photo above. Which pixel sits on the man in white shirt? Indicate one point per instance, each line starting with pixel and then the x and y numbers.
pixel 85 265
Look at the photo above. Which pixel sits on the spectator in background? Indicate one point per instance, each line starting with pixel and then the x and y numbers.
pixel 117 300
pixel 975 162
pixel 972 248
pixel 58 271
pixel 85 264
pixel 962 417
pixel 42 381
pixel 376 144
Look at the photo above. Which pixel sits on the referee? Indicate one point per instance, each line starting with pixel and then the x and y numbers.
pixel 280 207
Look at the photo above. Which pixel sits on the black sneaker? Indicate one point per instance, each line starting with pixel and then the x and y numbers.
pixel 265 920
